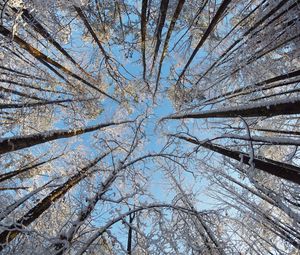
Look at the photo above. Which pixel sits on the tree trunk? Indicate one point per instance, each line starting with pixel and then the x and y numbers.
pixel 15 229
pixel 143 34
pixel 6 176
pixel 21 142
pixel 160 24
pixel 279 169
pixel 40 56
pixel 267 109
pixel 210 28
pixel 168 36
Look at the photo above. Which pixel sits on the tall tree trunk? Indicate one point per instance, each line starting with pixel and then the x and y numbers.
pixel 279 169
pixel 160 25
pixel 210 28
pixel 21 142
pixel 9 175
pixel 168 36
pixel 268 109
pixel 143 35
pixel 257 86
pixel 35 104
pixel 34 213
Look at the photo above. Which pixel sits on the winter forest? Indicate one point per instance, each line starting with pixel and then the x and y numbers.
pixel 149 127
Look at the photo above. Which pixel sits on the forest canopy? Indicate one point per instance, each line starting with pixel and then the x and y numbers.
pixel 149 127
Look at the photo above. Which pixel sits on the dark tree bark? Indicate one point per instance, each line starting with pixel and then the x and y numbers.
pixel 38 27
pixel 34 213
pixel 256 25
pixel 160 24
pixel 143 35
pixel 257 86
pixel 168 36
pixel 210 28
pixel 279 169
pixel 267 109
pixel 42 57
pixel 21 142
pixel 6 176
pixel 129 238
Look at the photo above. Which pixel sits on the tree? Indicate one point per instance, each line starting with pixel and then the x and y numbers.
pixel 149 127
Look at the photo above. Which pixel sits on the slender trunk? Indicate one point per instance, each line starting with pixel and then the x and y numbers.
pixel 290 91
pixel 6 176
pixel 21 73
pixel 33 87
pixel 192 22
pixel 89 28
pixel 20 142
pixel 237 25
pixel 265 140
pixel 267 109
pixel 260 86
pixel 143 35
pixel 277 131
pixel 21 94
pixel 168 36
pixel 210 28
pixel 257 55
pixel 111 70
pixel 43 103
pixel 279 169
pixel 160 24
pixel 129 238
